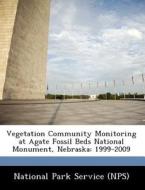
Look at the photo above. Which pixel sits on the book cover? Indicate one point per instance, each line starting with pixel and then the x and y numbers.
pixel 72 92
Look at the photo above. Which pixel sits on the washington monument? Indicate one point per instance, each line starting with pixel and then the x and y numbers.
pixel 23 48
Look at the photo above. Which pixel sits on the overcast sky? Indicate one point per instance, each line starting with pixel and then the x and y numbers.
pixel 96 40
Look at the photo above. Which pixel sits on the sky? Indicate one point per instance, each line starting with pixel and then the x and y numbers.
pixel 94 41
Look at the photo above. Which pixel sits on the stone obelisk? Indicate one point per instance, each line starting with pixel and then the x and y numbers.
pixel 23 48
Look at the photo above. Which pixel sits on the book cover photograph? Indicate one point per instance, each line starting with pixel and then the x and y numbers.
pixel 72 92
